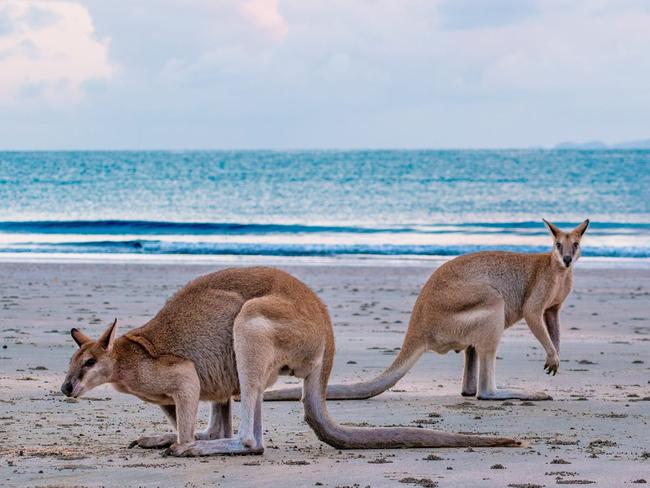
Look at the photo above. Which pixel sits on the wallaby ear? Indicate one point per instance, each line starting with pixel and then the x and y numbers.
pixel 580 230
pixel 108 337
pixel 79 337
pixel 552 229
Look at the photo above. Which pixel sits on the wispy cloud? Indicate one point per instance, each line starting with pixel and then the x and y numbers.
pixel 265 15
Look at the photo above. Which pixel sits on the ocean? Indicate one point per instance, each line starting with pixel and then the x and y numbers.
pixel 322 203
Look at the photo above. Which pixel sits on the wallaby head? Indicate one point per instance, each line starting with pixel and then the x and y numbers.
pixel 566 245
pixel 92 364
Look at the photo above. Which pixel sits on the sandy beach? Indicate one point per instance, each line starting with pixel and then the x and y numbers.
pixel 594 432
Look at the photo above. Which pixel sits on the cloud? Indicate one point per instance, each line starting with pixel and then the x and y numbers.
pixel 265 15
pixel 325 73
pixel 48 51
pixel 589 47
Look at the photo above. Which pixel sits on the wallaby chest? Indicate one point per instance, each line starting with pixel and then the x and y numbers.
pixel 144 394
pixel 561 290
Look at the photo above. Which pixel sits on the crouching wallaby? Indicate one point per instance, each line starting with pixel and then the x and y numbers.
pixel 232 333
pixel 467 304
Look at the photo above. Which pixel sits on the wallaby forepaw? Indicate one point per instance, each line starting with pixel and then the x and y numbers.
pixel 206 435
pixel 552 364
pixel 154 441
pixel 178 450
pixel 550 369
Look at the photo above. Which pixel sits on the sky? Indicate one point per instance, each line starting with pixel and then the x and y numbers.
pixel 278 74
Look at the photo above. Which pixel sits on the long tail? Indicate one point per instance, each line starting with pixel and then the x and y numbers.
pixel 410 352
pixel 343 437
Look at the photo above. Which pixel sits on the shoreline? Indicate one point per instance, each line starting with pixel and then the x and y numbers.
pixel 587 262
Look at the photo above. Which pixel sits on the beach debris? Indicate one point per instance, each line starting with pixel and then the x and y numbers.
pixel 559 461
pixel 424 482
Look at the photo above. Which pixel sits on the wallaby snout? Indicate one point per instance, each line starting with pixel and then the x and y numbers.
pixel 66 388
pixel 567 261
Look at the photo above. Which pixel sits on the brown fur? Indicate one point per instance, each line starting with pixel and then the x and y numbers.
pixel 468 302
pixel 228 333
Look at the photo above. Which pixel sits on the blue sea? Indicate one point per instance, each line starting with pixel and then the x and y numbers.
pixel 321 203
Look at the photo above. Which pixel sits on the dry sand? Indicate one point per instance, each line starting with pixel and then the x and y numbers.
pixel 595 431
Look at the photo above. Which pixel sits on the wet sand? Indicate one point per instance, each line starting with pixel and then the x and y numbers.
pixel 595 431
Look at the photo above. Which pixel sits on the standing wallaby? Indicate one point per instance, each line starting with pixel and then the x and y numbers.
pixel 232 333
pixel 467 304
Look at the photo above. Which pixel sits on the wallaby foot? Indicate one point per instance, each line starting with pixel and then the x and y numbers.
pixel 155 441
pixel 213 448
pixel 514 395
pixel 487 383
pixel 165 440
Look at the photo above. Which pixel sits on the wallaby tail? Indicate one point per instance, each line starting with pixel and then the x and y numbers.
pixel 343 437
pixel 410 352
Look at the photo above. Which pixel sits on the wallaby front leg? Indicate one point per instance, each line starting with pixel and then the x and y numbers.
pixel 552 319
pixel 186 390
pixel 487 382
pixel 170 414
pixel 535 321
pixel 158 441
pixel 187 404
pixel 220 425
pixel 470 374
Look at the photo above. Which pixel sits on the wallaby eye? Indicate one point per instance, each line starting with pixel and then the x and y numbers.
pixel 90 362
pixel 575 245
pixel 558 245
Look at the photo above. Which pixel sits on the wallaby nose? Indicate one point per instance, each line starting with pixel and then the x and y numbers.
pixel 567 261
pixel 66 388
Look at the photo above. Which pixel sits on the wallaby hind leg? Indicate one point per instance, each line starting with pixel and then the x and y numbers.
pixel 250 426
pixel 487 381
pixel 470 374
pixel 220 425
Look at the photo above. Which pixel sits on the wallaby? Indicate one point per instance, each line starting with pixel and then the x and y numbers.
pixel 232 333
pixel 467 303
